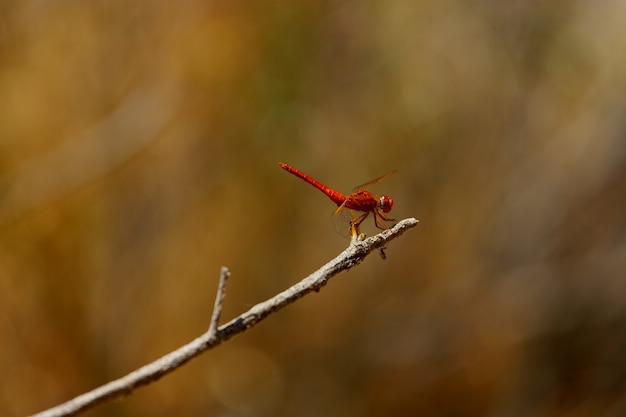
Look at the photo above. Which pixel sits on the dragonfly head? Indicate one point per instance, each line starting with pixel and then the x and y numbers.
pixel 385 203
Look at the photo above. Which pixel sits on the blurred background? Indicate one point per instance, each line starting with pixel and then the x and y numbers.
pixel 139 144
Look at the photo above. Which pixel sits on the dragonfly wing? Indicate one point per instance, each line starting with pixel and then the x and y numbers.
pixel 374 181
pixel 342 220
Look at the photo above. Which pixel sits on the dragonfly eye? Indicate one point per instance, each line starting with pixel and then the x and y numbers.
pixel 385 203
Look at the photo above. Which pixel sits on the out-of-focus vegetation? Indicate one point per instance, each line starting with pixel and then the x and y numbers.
pixel 138 151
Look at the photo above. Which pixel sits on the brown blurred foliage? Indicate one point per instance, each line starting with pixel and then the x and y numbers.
pixel 138 151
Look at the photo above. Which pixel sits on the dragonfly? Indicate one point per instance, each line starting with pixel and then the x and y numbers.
pixel 360 200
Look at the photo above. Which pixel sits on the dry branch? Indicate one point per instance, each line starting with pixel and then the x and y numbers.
pixel 353 255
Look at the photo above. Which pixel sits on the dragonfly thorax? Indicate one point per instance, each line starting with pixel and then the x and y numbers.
pixel 385 203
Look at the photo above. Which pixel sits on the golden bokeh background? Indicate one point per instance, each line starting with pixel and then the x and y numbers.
pixel 139 144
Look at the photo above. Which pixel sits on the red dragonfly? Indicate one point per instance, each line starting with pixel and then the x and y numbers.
pixel 360 200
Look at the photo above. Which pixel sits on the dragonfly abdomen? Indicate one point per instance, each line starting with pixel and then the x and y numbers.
pixel 337 197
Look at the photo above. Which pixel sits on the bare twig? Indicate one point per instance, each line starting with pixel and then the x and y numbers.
pixel 219 300
pixel 353 255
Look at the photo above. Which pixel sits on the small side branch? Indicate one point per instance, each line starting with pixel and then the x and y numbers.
pixel 353 255
pixel 219 300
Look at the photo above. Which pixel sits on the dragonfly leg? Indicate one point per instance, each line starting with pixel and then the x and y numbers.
pixel 356 222
pixel 381 226
pixel 382 216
